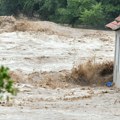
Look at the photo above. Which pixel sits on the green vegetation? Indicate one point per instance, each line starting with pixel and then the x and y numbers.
pixel 75 12
pixel 6 83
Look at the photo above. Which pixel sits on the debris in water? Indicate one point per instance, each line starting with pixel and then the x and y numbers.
pixel 109 84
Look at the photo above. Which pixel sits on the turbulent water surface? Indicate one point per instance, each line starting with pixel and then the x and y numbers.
pixel 33 52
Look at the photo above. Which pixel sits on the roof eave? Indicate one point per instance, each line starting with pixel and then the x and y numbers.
pixel 113 26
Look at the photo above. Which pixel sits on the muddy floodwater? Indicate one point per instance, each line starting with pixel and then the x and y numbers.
pixel 31 54
pixel 30 51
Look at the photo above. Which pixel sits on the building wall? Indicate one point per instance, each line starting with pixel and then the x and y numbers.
pixel 117 60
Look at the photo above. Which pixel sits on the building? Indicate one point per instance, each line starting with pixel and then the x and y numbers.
pixel 115 25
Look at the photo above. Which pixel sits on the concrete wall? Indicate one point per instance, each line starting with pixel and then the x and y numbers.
pixel 117 60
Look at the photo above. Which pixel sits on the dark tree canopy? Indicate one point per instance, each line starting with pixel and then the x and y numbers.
pixel 75 12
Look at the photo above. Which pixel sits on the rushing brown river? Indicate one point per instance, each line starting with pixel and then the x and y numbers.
pixel 48 47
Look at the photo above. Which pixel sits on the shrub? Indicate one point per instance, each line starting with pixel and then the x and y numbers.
pixel 6 83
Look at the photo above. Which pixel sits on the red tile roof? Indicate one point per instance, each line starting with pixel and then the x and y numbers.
pixel 115 25
pixel 118 19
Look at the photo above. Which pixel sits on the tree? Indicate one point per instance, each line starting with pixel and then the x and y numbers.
pixel 94 16
pixel 73 10
pixel 111 9
pixel 10 7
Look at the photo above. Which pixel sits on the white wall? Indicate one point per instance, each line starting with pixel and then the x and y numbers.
pixel 117 60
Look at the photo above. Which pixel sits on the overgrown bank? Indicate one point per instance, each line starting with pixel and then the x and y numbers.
pixel 74 12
